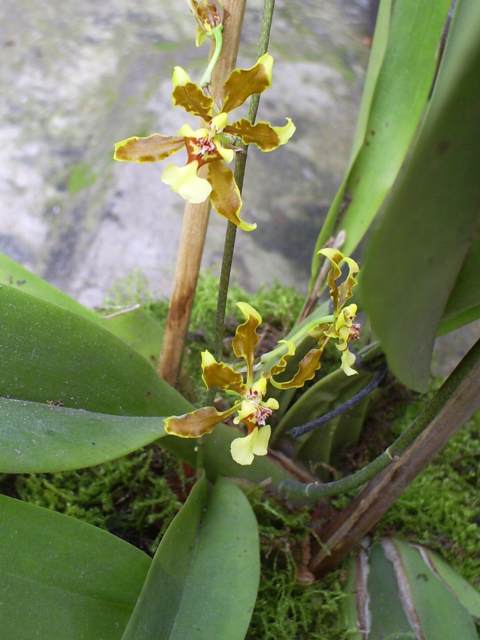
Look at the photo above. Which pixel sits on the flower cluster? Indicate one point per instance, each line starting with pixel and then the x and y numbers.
pixel 211 147
pixel 251 406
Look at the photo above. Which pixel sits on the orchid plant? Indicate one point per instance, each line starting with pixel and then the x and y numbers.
pixel 79 389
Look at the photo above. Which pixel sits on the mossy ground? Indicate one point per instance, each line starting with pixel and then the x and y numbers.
pixel 136 498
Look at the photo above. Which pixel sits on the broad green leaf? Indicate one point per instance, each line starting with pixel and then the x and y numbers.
pixel 392 593
pixel 387 615
pixel 351 601
pixel 50 354
pixel 438 611
pixel 203 581
pixel 380 43
pixel 395 107
pixel 140 328
pixel 417 252
pixel 37 438
pixel 459 320
pixel 15 275
pixel 377 55
pixel 464 303
pixel 466 594
pixel 62 579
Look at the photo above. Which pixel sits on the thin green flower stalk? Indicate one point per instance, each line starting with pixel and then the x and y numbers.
pixel 217 35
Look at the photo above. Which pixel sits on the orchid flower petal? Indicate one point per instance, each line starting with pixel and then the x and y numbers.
pixel 265 136
pixel 190 96
pixel 348 359
pixel 220 375
pixel 246 337
pixel 260 447
pixel 244 449
pixel 340 293
pixel 219 122
pixel 282 363
pixel 243 83
pixel 197 423
pixel 260 386
pixel 226 198
pixel 227 154
pixel 185 181
pixel 272 403
pixel 307 368
pixel 247 408
pixel 151 149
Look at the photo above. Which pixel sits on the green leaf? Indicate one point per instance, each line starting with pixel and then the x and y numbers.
pixel 14 274
pixel 392 593
pixel 466 594
pixel 464 303
pixel 62 579
pixel 439 613
pixel 352 593
pixel 140 328
pixel 50 354
pixel 204 578
pixel 387 614
pixel 38 438
pixel 396 92
pixel 41 438
pixel 416 253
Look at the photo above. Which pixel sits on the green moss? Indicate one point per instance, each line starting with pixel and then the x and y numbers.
pixel 133 289
pixel 441 507
pixel 81 176
pixel 286 609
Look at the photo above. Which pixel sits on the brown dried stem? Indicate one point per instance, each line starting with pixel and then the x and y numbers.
pixel 195 219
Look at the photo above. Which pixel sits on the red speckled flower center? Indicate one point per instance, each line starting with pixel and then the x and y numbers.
pixel 206 146
pixel 262 412
pixel 201 150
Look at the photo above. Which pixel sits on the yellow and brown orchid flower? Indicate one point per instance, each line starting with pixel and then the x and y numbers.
pixel 210 148
pixel 250 406
pixel 344 329
pixel 341 328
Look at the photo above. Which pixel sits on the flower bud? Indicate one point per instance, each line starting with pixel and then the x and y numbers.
pixel 208 17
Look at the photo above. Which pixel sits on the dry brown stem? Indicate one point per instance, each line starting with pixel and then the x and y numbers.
pixel 195 219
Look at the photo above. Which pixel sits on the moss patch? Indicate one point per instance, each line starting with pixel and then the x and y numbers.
pixel 81 176
pixel 441 508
